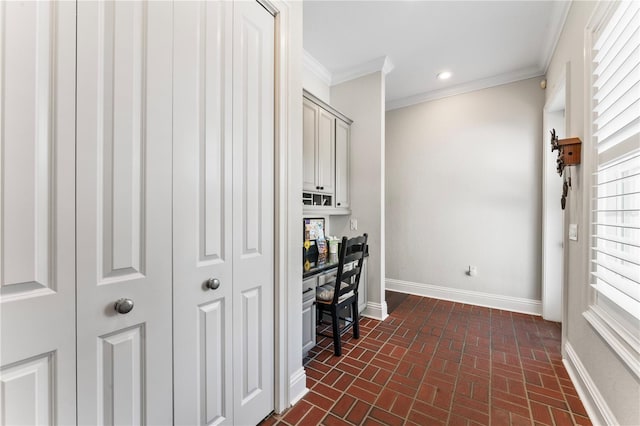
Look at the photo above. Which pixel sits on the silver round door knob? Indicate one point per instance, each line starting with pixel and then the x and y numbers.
pixel 123 306
pixel 213 283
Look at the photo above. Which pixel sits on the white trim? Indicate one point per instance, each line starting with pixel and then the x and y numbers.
pixel 625 345
pixel 595 405
pixel 471 86
pixel 319 70
pixel 298 385
pixel 558 19
pixel 507 303
pixel 382 64
pixel 288 271
pixel 377 311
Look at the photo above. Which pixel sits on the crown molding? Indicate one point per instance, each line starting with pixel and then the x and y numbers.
pixel 382 64
pixel 471 86
pixel 558 19
pixel 316 68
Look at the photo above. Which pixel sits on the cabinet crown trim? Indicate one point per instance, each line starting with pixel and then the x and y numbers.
pixel 321 103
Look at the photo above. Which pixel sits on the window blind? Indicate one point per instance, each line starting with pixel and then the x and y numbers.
pixel 615 254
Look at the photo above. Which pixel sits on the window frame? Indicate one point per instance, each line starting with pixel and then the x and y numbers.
pixel 619 329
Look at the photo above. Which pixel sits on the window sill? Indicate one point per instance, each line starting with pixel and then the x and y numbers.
pixel 623 343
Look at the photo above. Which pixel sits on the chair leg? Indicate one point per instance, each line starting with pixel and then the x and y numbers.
pixel 356 322
pixel 337 348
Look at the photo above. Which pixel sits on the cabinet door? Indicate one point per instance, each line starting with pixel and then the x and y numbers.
pixel 37 218
pixel 308 326
pixel 309 145
pixel 326 152
pixel 343 135
pixel 202 213
pixel 123 207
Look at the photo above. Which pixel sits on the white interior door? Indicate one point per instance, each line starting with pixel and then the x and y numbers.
pixel 253 212
pixel 223 213
pixel 124 115
pixel 37 217
pixel 202 213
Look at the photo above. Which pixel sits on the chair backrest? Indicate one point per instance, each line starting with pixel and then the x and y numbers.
pixel 352 251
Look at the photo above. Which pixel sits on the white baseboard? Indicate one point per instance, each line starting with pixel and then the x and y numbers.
pixel 597 408
pixel 298 386
pixel 376 311
pixel 507 303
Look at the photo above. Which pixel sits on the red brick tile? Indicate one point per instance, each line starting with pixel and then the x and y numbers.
pixel 541 413
pixel 361 394
pixel 297 412
pixel 576 405
pixel 326 391
pixel 561 417
pixel 344 381
pixel 386 399
pixel 385 417
pixel 313 417
pixel 319 400
pixel 332 420
pixel 434 362
pixel 402 405
pixel 343 405
pixel 358 412
pixel 582 421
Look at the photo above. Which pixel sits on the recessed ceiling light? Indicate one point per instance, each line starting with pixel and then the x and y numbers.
pixel 444 75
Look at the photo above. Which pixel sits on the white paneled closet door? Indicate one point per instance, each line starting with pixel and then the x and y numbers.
pixel 223 212
pixel 124 148
pixel 37 218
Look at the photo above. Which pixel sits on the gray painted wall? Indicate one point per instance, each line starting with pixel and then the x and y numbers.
pixel 608 383
pixel 464 188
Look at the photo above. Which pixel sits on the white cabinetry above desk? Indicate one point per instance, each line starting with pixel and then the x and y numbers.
pixel 326 145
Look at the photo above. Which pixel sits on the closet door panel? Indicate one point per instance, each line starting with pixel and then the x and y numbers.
pixel 202 213
pixel 124 212
pixel 253 206
pixel 37 220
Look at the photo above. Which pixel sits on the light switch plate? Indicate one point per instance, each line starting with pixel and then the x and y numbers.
pixel 573 231
pixel 354 224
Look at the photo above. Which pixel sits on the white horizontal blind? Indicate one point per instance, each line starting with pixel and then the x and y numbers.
pixel 615 253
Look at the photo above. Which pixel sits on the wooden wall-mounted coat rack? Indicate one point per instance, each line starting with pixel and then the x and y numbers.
pixel 569 151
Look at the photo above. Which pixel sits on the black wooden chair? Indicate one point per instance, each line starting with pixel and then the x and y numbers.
pixel 332 302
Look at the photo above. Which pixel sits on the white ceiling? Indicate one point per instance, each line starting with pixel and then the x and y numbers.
pixel 483 43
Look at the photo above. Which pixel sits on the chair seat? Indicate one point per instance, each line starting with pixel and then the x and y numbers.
pixel 324 293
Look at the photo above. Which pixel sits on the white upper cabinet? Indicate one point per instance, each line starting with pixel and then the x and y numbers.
pixel 326 140
pixel 343 146
pixel 319 149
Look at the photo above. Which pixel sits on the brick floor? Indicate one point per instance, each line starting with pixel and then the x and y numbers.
pixel 433 362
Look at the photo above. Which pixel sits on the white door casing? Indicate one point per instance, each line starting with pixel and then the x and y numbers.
pixel 124 115
pixel 223 212
pixel 253 212
pixel 202 213
pixel 37 235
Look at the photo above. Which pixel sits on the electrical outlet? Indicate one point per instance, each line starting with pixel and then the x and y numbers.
pixel 353 224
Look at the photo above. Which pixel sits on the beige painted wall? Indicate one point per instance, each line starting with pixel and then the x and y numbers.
pixel 464 188
pixel 363 100
pixel 614 387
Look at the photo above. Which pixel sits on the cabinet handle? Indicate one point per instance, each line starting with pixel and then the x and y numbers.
pixel 322 187
pixel 338 203
pixel 307 290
